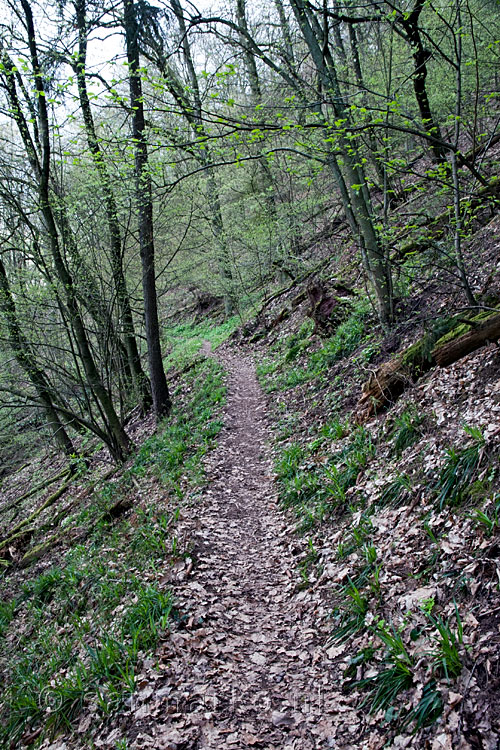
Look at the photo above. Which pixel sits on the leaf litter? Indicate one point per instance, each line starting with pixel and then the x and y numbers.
pixel 245 664
pixel 251 663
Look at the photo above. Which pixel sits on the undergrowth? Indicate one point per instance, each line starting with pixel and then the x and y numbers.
pixel 399 669
pixel 72 636
pixel 456 478
pixel 315 485
pixel 282 372
pixel 185 340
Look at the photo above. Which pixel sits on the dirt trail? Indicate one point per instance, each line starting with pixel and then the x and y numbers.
pixel 246 667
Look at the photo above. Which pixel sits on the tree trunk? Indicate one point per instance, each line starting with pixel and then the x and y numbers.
pixel 120 441
pixel 192 112
pixel 410 24
pixel 159 388
pixel 139 377
pixel 375 261
pixel 26 361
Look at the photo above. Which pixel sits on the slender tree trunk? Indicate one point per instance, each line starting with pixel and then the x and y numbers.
pixel 410 24
pixel 26 360
pixel 192 111
pixel 41 168
pixel 376 265
pixel 287 36
pixel 358 73
pixel 139 377
pixel 256 99
pixel 459 258
pixel 159 388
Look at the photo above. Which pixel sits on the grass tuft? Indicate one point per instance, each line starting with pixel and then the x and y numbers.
pixel 459 469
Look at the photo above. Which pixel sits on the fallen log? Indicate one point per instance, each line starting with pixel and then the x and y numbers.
pixel 25 532
pixel 449 340
pixel 41 486
pixel 36 552
pixel 53 522
pixel 449 350
pixel 50 500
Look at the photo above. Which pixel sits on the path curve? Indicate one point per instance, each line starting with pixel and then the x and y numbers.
pixel 247 667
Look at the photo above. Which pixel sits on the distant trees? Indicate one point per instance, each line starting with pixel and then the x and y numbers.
pixel 35 135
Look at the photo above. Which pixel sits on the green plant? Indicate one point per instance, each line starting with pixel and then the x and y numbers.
pixel 428 710
pixel 95 596
pixel 66 699
pixel 147 616
pixel 392 640
pixel 447 654
pixel 427 605
pixel 384 687
pixel 186 339
pixel 459 469
pixel 317 488
pixel 489 522
pixel 297 343
pixel 430 533
pixel 362 531
pixel 22 701
pixel 149 535
pixel 362 657
pixel 407 428
pixel 349 618
pixel 310 559
pixel 375 580
pixel 42 589
pixel 7 609
pixel 335 430
pixel 370 554
pixel 396 492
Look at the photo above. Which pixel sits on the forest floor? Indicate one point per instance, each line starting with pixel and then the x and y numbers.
pixel 278 576
pixel 246 666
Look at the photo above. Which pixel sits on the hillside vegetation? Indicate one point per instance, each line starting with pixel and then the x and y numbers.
pixel 184 191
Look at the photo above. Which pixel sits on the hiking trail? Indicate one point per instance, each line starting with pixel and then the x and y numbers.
pixel 246 666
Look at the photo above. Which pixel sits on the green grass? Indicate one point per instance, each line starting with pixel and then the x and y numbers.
pixel 349 616
pixel 316 487
pixel 185 340
pixel 7 609
pixel 282 372
pixel 407 429
pixel 428 710
pixel 187 435
pixel 447 654
pixel 459 470
pixel 87 620
pixel 489 518
pixel 396 675
pixel 397 492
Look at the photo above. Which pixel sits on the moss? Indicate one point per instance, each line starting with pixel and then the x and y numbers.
pixel 463 328
pixel 417 358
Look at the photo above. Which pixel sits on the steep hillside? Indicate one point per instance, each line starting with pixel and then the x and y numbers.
pixel 397 513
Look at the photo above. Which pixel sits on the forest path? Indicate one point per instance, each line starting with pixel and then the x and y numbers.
pixel 246 667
